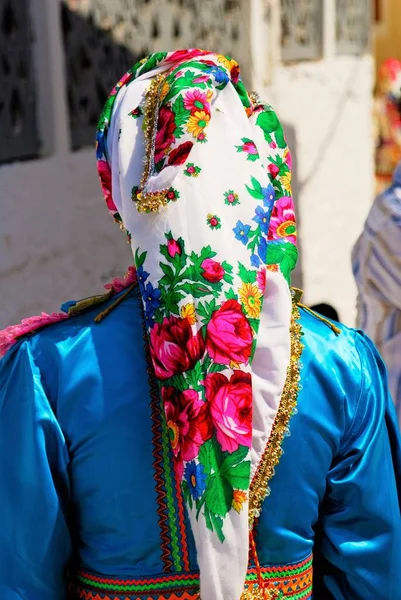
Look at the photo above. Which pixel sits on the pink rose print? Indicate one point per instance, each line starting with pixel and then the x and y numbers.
pixel 105 182
pixel 212 270
pixel 273 170
pixel 173 248
pixel 174 347
pixel 250 148
pixel 282 222
pixel 188 421
pixel 231 408
pixel 183 55
pixel 229 335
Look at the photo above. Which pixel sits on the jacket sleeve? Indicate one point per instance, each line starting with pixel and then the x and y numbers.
pixel 360 526
pixel 35 544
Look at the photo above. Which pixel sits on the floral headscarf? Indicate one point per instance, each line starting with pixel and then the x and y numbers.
pixel 197 172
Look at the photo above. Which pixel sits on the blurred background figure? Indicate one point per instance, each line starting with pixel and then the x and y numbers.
pixel 387 122
pixel 376 261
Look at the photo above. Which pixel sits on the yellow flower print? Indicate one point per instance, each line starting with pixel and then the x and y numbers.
pixel 188 312
pixel 227 61
pixel 164 91
pixel 197 122
pixel 251 296
pixel 286 181
pixel 239 498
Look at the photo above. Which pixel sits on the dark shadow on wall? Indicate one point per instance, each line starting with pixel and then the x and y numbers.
pixel 290 134
pixel 94 62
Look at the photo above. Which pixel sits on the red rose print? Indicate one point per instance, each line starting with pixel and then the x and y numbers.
pixel 180 154
pixel 234 73
pixel 273 170
pixel 174 347
pixel 229 335
pixel 231 408
pixel 188 421
pixel 165 132
pixel 105 182
pixel 212 270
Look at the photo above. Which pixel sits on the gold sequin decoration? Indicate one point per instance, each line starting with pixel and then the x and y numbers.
pixel 147 202
pixel 254 592
pixel 259 488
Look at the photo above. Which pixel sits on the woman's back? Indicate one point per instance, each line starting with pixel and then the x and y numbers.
pixel 114 509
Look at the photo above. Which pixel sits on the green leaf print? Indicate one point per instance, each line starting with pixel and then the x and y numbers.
pixel 246 275
pixel 151 63
pixel 139 258
pixel 216 368
pixel 181 113
pixel 238 476
pixel 168 275
pixel 284 254
pixel 219 495
pixel 218 526
pixel 235 458
pixel 231 295
pixel 270 124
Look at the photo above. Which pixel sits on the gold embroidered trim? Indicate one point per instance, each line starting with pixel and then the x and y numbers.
pixel 333 327
pixel 151 201
pixel 254 592
pixel 259 488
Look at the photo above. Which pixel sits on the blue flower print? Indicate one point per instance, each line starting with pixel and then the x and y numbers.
pixel 262 218
pixel 100 151
pixel 152 299
pixel 268 196
pixel 241 232
pixel 142 277
pixel 255 261
pixel 219 74
pixel 196 479
pixel 262 250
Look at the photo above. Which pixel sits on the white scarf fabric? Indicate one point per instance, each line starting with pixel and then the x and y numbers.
pixel 180 135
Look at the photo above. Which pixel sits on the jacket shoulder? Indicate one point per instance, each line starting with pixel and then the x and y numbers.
pixel 69 310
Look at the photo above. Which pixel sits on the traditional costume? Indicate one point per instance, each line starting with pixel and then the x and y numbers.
pixel 145 436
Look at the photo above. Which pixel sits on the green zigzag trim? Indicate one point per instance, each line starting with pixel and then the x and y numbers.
pixel 169 493
pixel 177 583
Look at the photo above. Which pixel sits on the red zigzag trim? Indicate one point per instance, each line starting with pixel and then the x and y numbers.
pixel 181 518
pixel 157 454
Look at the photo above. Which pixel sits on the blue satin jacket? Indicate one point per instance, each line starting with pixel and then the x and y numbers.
pixel 89 508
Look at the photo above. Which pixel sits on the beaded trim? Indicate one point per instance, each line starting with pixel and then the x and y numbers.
pixel 259 488
pixel 289 581
pixel 147 202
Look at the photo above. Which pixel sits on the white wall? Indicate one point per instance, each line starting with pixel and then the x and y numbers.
pixel 326 106
pixel 57 241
